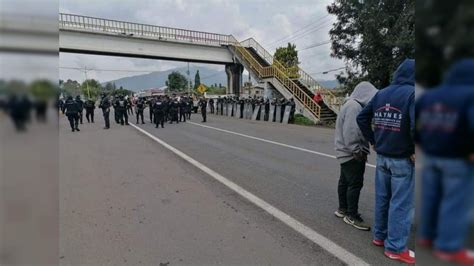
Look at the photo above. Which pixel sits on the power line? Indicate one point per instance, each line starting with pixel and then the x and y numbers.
pixel 327 71
pixel 297 31
pixel 315 45
pixel 110 70
pixel 303 34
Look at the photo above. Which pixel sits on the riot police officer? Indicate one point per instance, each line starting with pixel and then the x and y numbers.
pixel 189 107
pixel 80 104
pixel 173 110
pixel 140 108
pixel 150 103
pixel 203 105
pixel 121 108
pixel 89 105
pixel 211 105
pixel 158 112
pixel 182 110
pixel 105 106
pixel 72 112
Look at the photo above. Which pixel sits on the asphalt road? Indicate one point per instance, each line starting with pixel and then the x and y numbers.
pixel 299 183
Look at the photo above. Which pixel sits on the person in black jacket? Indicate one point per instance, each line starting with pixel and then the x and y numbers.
pixel 182 110
pixel 80 104
pixel 150 103
pixel 121 108
pixel 140 108
pixel 211 105
pixel 159 112
pixel 189 107
pixel 89 105
pixel 173 110
pixel 203 105
pixel 72 112
pixel 105 106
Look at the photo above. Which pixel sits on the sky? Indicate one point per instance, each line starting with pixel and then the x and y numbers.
pixel 271 22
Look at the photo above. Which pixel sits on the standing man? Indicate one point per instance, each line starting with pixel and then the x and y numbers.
pixel 292 110
pixel 158 111
pixel 173 110
pixel 182 110
pixel 121 108
pixel 393 112
pixel 105 106
pixel 352 150
pixel 150 103
pixel 80 104
pixel 89 105
pixel 211 105
pixel 445 126
pixel 203 106
pixel 140 108
pixel 72 112
pixel 129 106
pixel 189 107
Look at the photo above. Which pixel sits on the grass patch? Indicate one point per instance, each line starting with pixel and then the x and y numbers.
pixel 303 120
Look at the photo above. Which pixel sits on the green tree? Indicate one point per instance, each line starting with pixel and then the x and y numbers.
pixel 197 80
pixel 287 56
pixel 43 89
pixel 70 87
pixel 373 37
pixel 176 82
pixel 91 88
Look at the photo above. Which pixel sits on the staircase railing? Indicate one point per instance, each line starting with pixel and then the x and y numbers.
pixel 275 70
pixel 296 72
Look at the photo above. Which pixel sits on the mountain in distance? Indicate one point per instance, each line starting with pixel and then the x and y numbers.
pixel 158 79
pixel 208 76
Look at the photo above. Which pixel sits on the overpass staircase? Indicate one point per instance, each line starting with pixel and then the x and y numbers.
pixel 291 83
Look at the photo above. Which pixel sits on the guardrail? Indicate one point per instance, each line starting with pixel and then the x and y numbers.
pixel 79 22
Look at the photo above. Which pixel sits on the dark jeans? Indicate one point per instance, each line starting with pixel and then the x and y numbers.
pixel 90 115
pixel 350 184
pixel 106 118
pixel 73 120
pixel 140 115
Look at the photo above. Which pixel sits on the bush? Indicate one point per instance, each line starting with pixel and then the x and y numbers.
pixel 303 120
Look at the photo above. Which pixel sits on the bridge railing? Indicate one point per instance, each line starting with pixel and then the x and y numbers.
pixel 296 72
pixel 79 22
pixel 275 70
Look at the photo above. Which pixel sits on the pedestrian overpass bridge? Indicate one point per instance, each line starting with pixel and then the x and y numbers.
pixel 89 35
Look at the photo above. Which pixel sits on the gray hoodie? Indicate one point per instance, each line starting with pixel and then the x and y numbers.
pixel 348 138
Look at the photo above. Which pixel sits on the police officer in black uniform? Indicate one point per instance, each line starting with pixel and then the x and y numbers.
pixel 72 112
pixel 173 110
pixel 105 106
pixel 80 103
pixel 89 105
pixel 182 110
pixel 140 108
pixel 292 104
pixel 203 105
pixel 189 107
pixel 150 103
pixel 158 112
pixel 211 105
pixel 121 108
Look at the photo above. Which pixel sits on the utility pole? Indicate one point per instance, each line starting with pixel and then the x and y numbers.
pixel 189 82
pixel 87 83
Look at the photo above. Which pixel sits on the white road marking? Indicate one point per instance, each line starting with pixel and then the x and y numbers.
pixel 272 142
pixel 331 247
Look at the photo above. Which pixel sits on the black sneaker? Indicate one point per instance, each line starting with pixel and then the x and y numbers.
pixel 357 222
pixel 340 213
pixel 77 129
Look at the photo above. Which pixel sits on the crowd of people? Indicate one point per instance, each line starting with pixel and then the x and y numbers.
pixel 21 107
pixel 386 121
pixel 161 109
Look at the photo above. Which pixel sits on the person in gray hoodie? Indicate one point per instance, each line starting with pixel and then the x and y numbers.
pixel 351 151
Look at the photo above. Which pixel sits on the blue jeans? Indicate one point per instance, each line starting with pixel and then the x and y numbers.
pixel 394 201
pixel 447 187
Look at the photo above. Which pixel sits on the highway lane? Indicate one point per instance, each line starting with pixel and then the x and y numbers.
pixel 301 184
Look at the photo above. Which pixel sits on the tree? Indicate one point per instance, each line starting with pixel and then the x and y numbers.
pixel 109 87
pixel 444 34
pixel 176 82
pixel 91 88
pixel 71 87
pixel 287 56
pixel 197 80
pixel 43 89
pixel 373 37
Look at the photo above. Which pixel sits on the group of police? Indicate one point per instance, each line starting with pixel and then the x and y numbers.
pixel 161 109
pixel 255 102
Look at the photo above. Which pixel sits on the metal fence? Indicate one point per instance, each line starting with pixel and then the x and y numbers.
pixel 78 22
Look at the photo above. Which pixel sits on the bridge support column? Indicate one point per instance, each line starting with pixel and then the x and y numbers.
pixel 234 78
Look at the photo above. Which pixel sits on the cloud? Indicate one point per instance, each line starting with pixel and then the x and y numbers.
pixel 264 20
